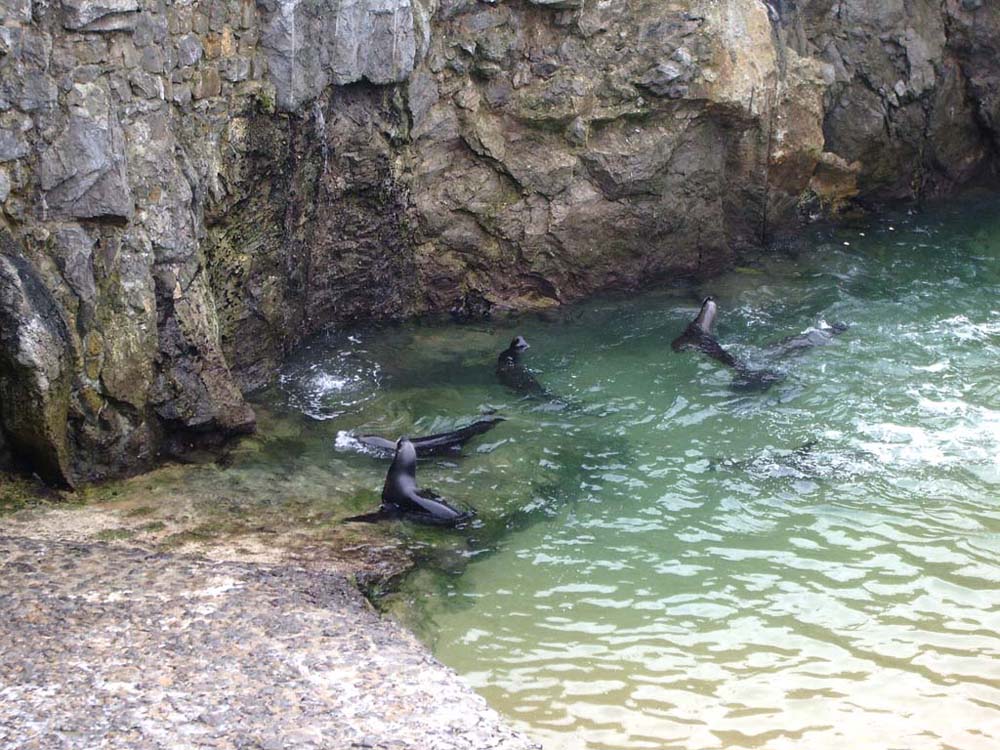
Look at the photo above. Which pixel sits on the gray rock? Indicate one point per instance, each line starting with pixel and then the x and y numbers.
pixel 146 86
pixel 152 60
pixel 25 70
pixel 38 91
pixel 15 11
pixel 13 136
pixel 149 29
pixel 664 79
pixel 4 185
pixel 35 362
pixel 235 69
pixel 181 94
pixel 84 173
pixel 558 4
pixel 313 43
pixel 81 14
pixel 73 252
pixel 537 156
pixel 189 50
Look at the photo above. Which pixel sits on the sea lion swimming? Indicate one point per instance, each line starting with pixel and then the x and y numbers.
pixel 819 336
pixel 439 443
pixel 698 335
pixel 402 498
pixel 513 374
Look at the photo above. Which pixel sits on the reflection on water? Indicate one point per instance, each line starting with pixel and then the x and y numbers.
pixel 660 562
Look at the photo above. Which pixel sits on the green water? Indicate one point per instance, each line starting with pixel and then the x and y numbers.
pixel 660 562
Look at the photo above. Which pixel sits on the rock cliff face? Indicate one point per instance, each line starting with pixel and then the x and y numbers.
pixel 190 188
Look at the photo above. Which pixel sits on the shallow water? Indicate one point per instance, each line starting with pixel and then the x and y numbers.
pixel 661 562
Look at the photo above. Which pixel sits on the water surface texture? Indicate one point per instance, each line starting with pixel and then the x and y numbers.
pixel 662 562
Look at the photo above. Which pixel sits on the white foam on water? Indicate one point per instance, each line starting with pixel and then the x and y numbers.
pixel 345 441
pixel 976 438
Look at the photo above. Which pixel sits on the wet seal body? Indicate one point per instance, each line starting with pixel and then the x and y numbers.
pixel 402 499
pixel 698 336
pixel 513 374
pixel 439 443
pixel 820 336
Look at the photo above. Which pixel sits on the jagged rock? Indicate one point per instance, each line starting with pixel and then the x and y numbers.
pixel 199 193
pixel 73 251
pixel 35 367
pixel 313 43
pixel 84 171
pixel 664 79
pixel 194 389
pixel 111 15
pixel 189 50
pixel 25 80
pixel 15 11
pixel 13 136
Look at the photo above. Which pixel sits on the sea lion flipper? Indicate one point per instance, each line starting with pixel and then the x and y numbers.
pixel 434 505
pixel 709 345
pixel 455 438
pixel 438 443
pixel 376 441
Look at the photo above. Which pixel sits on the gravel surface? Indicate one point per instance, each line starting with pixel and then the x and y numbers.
pixel 107 647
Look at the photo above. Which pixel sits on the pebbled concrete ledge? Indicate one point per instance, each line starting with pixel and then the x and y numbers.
pixel 107 647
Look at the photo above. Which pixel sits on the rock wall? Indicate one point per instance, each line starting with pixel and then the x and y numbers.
pixel 190 188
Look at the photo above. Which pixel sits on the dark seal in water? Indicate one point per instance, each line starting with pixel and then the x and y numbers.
pixel 799 343
pixel 513 374
pixel 439 443
pixel 698 336
pixel 402 499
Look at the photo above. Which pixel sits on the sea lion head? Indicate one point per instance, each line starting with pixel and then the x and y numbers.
pixel 706 317
pixel 519 344
pixel 406 456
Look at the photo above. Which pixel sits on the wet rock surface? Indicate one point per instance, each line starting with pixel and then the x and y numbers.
pixel 121 648
pixel 200 186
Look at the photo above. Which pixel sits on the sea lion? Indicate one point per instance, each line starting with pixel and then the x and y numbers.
pixel 819 336
pixel 698 335
pixel 402 498
pixel 513 374
pixel 442 442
